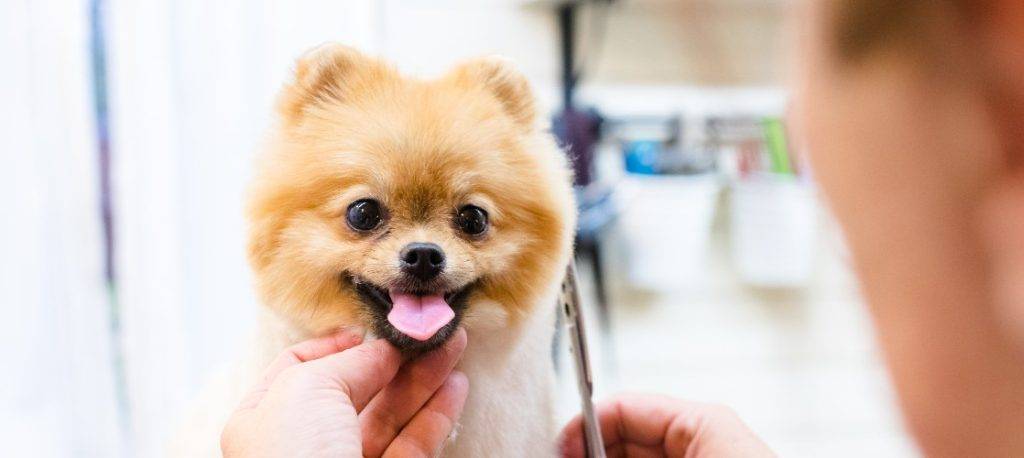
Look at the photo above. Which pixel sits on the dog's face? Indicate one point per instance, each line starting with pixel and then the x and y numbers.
pixel 398 204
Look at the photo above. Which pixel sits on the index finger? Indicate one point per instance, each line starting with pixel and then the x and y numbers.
pixel 416 383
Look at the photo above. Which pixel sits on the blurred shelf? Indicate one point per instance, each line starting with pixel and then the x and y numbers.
pixel 657 3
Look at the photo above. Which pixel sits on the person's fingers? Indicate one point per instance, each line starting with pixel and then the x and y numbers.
pixel 654 421
pixel 414 385
pixel 301 352
pixel 570 441
pixel 360 372
pixel 626 449
pixel 638 423
pixel 426 433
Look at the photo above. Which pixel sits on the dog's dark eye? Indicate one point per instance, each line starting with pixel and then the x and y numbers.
pixel 364 215
pixel 472 220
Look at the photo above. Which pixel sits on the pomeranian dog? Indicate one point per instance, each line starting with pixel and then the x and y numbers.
pixel 409 208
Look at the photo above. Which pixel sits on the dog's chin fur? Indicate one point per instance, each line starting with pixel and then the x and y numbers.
pixel 351 127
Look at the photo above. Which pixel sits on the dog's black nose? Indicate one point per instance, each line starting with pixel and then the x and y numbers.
pixel 422 260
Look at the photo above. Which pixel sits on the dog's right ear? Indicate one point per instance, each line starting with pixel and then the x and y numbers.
pixel 328 73
pixel 499 76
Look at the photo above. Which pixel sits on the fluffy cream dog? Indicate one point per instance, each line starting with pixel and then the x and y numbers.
pixel 410 207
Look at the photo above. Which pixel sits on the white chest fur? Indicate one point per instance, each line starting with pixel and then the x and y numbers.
pixel 509 411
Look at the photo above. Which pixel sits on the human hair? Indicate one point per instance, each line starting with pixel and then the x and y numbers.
pixel 863 27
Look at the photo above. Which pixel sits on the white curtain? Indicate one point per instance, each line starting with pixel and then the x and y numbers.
pixel 192 85
pixel 57 395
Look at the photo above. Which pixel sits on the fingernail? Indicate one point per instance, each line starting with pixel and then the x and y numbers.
pixel 462 336
pixel 459 383
pixel 458 378
pixel 355 330
pixel 354 334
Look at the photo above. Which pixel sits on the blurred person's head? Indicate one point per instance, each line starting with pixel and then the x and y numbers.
pixel 912 112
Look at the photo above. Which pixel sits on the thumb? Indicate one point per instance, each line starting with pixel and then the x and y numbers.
pixel 361 372
pixel 297 354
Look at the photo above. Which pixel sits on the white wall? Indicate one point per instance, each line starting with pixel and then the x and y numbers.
pixel 645 42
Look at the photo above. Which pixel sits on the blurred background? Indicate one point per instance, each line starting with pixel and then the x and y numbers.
pixel 709 268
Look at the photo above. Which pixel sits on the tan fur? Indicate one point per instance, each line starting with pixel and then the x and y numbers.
pixel 351 127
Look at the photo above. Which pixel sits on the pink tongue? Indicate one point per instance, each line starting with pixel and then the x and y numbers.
pixel 419 317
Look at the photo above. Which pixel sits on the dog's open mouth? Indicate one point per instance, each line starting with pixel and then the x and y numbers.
pixel 412 320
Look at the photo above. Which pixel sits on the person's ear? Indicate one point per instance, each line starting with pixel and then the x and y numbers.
pixel 1000 27
pixel 330 72
pixel 498 76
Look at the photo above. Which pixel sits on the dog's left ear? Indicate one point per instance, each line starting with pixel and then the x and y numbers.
pixel 330 72
pixel 499 76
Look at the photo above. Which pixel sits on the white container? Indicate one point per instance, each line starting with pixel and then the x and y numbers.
pixel 665 222
pixel 774 222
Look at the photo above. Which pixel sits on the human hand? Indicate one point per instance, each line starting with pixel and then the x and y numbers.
pixel 333 396
pixel 646 425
